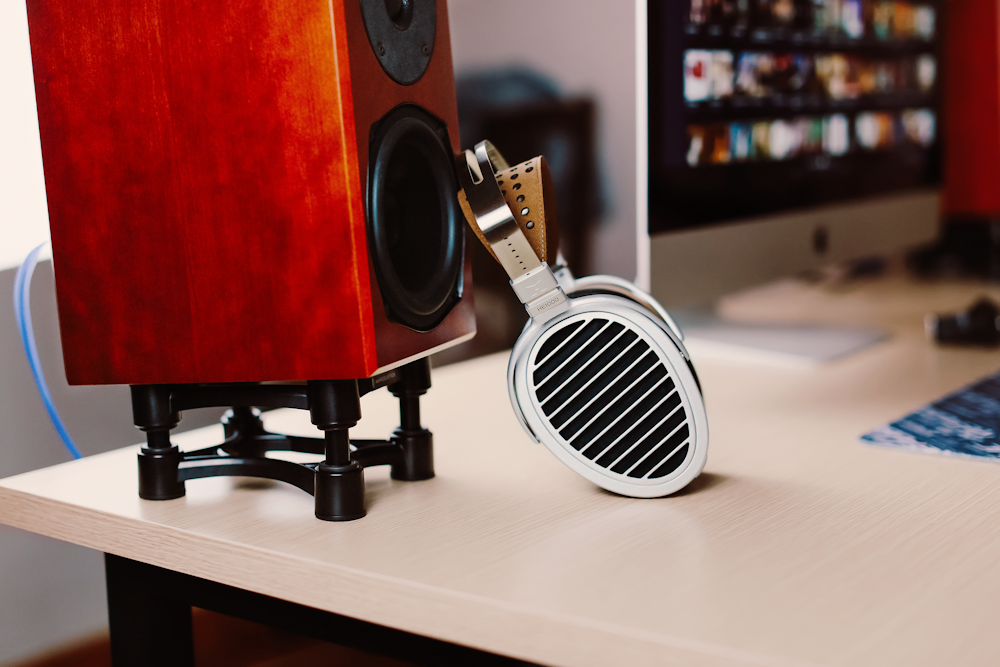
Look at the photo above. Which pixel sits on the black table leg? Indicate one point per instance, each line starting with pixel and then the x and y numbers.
pixel 150 613
pixel 148 629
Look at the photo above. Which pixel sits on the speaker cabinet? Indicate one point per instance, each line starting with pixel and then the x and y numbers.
pixel 972 112
pixel 247 192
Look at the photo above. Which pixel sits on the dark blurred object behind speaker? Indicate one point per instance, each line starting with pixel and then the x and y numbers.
pixel 978 325
pixel 524 115
pixel 969 243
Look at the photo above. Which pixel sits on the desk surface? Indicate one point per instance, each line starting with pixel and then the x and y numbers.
pixel 798 545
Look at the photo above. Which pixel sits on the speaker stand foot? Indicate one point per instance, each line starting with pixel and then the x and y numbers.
pixel 336 482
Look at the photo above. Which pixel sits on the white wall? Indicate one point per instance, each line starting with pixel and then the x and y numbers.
pixel 587 47
pixel 24 221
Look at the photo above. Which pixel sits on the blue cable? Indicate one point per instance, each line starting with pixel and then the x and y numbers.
pixel 22 311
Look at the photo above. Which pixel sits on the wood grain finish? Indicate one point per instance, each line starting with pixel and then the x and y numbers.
pixel 205 168
pixel 798 546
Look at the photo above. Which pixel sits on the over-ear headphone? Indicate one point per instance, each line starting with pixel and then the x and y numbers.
pixel 599 375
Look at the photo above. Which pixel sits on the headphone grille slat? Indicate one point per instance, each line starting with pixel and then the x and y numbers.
pixel 587 375
pixel 555 340
pixel 601 383
pixel 643 444
pixel 654 444
pixel 611 413
pixel 619 388
pixel 641 426
pixel 573 367
pixel 671 463
pixel 557 358
pixel 661 453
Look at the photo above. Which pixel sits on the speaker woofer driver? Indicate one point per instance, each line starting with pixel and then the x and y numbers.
pixel 414 221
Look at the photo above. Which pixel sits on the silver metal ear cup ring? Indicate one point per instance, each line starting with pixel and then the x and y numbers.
pixel 600 374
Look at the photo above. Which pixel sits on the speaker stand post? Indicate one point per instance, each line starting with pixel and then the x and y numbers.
pixel 340 484
pixel 416 443
pixel 336 481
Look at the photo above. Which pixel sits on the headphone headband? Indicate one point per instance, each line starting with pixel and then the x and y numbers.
pixel 490 190
pixel 491 217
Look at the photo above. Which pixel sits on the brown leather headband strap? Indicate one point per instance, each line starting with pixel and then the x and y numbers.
pixel 508 208
pixel 527 188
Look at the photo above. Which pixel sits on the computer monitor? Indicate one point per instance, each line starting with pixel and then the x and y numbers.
pixel 776 136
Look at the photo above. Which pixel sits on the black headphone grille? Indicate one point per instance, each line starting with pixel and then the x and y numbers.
pixel 606 392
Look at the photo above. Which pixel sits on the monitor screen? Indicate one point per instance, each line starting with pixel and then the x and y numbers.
pixel 763 106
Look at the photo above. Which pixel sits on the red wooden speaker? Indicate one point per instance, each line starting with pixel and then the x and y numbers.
pixel 972 110
pixel 246 192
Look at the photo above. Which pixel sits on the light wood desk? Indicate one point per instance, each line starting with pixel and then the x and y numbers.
pixel 798 546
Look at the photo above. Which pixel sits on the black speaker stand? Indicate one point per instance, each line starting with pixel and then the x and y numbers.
pixel 336 482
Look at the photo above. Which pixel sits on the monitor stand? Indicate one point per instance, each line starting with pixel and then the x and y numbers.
pixel 706 332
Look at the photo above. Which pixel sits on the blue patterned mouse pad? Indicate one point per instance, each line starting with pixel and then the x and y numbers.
pixel 965 424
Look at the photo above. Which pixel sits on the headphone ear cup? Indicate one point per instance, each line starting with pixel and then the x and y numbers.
pixel 611 394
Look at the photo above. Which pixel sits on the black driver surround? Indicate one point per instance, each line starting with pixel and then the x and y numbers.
pixel 416 228
pixel 401 34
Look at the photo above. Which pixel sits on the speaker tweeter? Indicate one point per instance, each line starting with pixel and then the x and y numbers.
pixel 402 35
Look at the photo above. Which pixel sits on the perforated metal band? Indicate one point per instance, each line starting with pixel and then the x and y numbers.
pixel 491 214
